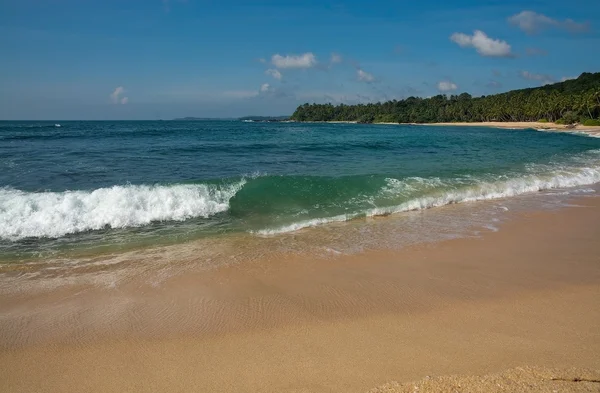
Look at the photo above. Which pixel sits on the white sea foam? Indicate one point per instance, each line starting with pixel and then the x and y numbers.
pixel 305 224
pixel 500 189
pixel 55 214
pixel 590 134
pixel 456 192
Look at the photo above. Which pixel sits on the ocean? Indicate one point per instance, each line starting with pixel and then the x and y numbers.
pixel 91 187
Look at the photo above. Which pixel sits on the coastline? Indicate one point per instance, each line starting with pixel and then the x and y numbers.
pixel 465 306
pixel 547 126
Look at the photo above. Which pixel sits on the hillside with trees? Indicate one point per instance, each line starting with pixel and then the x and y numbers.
pixel 571 101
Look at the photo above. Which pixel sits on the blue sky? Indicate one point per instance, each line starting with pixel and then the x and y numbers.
pixel 150 59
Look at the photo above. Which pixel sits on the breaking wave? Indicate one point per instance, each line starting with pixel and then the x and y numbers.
pixel 436 192
pixel 270 204
pixel 55 214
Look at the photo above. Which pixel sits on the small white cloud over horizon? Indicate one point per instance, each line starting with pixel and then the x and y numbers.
pixel 532 22
pixel 274 73
pixel 265 88
pixel 543 78
pixel 306 60
pixel 483 44
pixel 116 96
pixel 364 76
pixel 446 86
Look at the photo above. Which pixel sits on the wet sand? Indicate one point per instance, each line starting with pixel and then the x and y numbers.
pixel 527 295
pixel 592 130
pixel 541 126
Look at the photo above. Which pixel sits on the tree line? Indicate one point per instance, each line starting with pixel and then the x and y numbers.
pixel 571 101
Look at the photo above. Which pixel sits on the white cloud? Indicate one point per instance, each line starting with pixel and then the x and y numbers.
pixel 446 86
pixel 532 22
pixel 274 73
pixel 306 60
pixel 335 58
pixel 364 76
pixel 545 79
pixel 116 96
pixel 265 88
pixel 484 45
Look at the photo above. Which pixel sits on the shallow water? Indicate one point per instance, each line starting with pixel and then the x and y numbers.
pixel 101 187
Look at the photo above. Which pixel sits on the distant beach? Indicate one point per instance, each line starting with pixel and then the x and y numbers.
pixel 549 126
pixel 541 126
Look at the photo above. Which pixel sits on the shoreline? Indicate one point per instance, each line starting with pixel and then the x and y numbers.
pixel 465 306
pixel 547 126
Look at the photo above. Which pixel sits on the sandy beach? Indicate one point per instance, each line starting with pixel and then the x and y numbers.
pixel 546 126
pixel 525 296
pixel 594 130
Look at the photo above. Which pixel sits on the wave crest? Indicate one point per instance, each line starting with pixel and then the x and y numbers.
pixel 55 214
pixel 454 191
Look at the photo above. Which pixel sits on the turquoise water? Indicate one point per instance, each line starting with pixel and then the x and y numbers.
pixel 129 184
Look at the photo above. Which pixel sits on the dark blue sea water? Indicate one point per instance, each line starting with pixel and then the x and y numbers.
pixel 122 184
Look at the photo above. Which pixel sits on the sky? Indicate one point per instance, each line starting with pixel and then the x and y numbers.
pixel 162 59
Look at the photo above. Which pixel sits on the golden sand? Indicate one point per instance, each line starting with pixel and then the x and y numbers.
pixel 522 379
pixel 541 126
pixel 593 130
pixel 527 295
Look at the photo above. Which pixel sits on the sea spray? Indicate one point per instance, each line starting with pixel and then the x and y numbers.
pixel 55 214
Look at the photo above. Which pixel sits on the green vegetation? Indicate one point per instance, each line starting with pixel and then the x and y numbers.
pixel 265 118
pixel 543 121
pixel 591 122
pixel 569 102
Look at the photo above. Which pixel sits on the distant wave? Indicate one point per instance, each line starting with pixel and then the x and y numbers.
pixel 55 214
pixel 31 125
